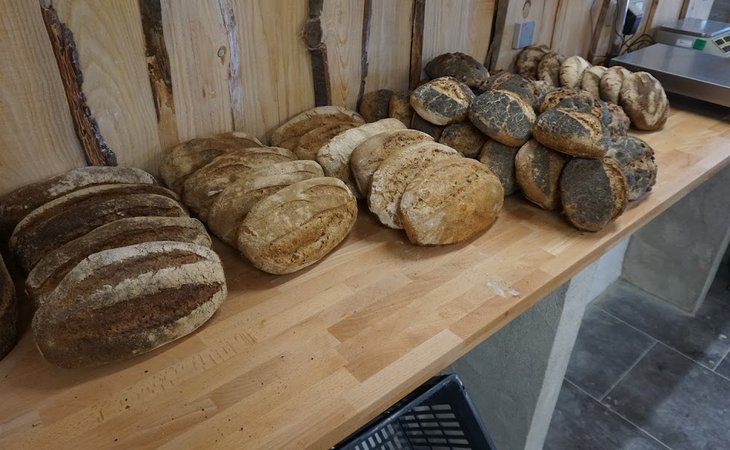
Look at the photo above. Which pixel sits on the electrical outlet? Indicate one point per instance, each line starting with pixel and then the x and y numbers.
pixel 524 33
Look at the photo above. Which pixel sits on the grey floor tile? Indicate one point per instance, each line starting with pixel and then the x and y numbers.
pixel 605 350
pixel 581 423
pixel 703 337
pixel 679 402
pixel 724 367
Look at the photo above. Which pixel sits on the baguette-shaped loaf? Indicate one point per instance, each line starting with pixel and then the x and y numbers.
pixel 334 157
pixel 312 141
pixel 298 225
pixel 8 312
pixel 500 159
pixel 288 133
pixel 54 266
pixel 450 201
pixel 234 203
pixel 442 101
pixel 537 171
pixel 75 214
pixel 123 302
pixel 19 203
pixel 503 116
pixel 396 172
pixel 184 159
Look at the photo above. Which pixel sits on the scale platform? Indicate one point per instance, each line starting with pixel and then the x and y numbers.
pixel 683 71
pixel 707 36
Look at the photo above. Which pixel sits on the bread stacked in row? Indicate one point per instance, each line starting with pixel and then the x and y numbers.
pixel 281 212
pixel 639 94
pixel 115 266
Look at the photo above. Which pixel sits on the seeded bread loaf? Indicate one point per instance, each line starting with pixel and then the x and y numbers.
pixel 8 312
pixel 374 105
pixel 312 141
pixel 460 66
pixel 464 138
pixel 289 133
pixel 571 71
pixel 611 82
pixel 537 171
pixel 442 101
pixel 123 302
pixel 591 81
pixel 548 70
pixel 399 107
pixel 567 98
pixel 529 59
pixel 615 119
pixel 503 116
pixel 298 225
pixel 573 132
pixel 500 159
pixel 644 101
pixel 423 125
pixel 524 88
pixel 635 158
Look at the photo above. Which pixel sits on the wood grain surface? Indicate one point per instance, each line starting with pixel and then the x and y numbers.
pixel 390 45
pixel 301 361
pixel 511 12
pixel 342 22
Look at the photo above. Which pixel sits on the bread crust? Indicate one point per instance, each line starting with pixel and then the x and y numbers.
pixel 460 66
pixel 611 82
pixel 374 105
pixel 464 138
pixel 442 101
pixel 571 71
pixel 421 124
pixel 399 107
pixel 573 132
pixel 591 80
pixel 636 160
pixel 529 59
pixel 312 141
pixel 644 101
pixel 524 88
pixel 500 159
pixel 503 116
pixel 287 134
pixel 537 171
pixel 548 70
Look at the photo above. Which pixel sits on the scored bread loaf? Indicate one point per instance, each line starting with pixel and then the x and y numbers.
pixel 591 81
pixel 120 303
pixel 19 203
pixel 635 158
pixel 529 59
pixel 442 101
pixel 500 159
pixel 298 225
pixel 367 157
pixel 374 105
pixel 450 201
pixel 460 66
pixel 289 133
pixel 503 116
pixel 8 312
pixel 644 101
pixel 54 266
pixel 615 119
pixel 334 157
pixel 464 138
pixel 75 214
pixel 567 98
pixel 423 125
pixel 593 192
pixel 611 82
pixel 312 141
pixel 573 132
pixel 537 171
pixel 524 88
pixel 179 162
pixel 236 200
pixel 548 70
pixel 396 172
pixel 399 107
pixel 571 71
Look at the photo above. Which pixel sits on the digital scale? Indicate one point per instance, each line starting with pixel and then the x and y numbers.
pixel 707 36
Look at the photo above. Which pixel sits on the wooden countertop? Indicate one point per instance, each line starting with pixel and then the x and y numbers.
pixel 303 360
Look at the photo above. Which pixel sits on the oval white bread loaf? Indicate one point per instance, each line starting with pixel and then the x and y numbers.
pixel 8 312
pixel 537 171
pixel 287 134
pixel 644 101
pixel 126 301
pixel 529 59
pixel 460 66
pixel 298 225
pixel 442 101
pixel 450 201
pixel 571 71
pixel 312 141
pixel 500 159
pixel 464 138
pixel 503 116
pixel 591 81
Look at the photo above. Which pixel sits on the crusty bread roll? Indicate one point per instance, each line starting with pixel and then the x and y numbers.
pixel 179 162
pixel 70 216
pixel 548 70
pixel 334 157
pixel 17 204
pixel 500 159
pixel 503 116
pixel 573 132
pixel 567 98
pixel 591 81
pixel 442 101
pixel 635 158
pixel 571 71
pixel 464 138
pixel 54 266
pixel 463 67
pixel 396 172
pixel 312 141
pixel 374 105
pixel 202 186
pixel 524 88
pixel 611 82
pixel 423 125
pixel 529 59
pixel 537 170
pixel 399 107
pixel 367 157
pixel 593 192
pixel 8 312
pixel 614 118
pixel 298 225
pixel 644 101
pixel 233 204
pixel 288 133
pixel 450 201
pixel 126 301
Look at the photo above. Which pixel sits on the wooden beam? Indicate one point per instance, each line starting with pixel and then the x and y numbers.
pixel 367 16
pixel 312 35
pixel 419 14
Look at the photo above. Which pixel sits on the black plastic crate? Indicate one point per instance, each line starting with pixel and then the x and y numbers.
pixel 437 416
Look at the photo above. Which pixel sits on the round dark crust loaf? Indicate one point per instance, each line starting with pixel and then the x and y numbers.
pixel 8 312
pixel 298 225
pixel 288 133
pixel 636 160
pixel 571 71
pixel 450 201
pixel 615 119
pixel 503 116
pixel 374 105
pixel 500 159
pixel 573 132
pixel 591 81
pixel 567 98
pixel 442 101
pixel 593 192
pixel 120 303
pixel 529 59
pixel 460 66
pixel 399 107
pixel 611 82
pixel 549 68
pixel 423 125
pixel 524 88
pixel 463 137
pixel 537 171
pixel 644 101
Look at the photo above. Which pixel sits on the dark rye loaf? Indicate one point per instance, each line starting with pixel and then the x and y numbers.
pixel 537 170
pixel 573 132
pixel 8 312
pixel 524 88
pixel 464 138
pixel 442 101
pixel 423 125
pixel 636 160
pixel 463 67
pixel 374 105
pixel 503 116
pixel 500 159
pixel 73 215
pixel 120 303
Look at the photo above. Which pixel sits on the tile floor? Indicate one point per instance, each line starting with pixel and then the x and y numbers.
pixel 644 375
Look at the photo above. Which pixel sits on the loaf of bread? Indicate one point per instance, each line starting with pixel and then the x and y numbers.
pixel 8 312
pixel 635 158
pixel 289 133
pixel 374 105
pixel 298 225
pixel 312 141
pixel 202 186
pixel 71 216
pixel 442 101
pixel 591 81
pixel 529 59
pixel 503 116
pixel 367 157
pixel 123 302
pixel 548 70
pixel 537 170
pixel 177 164
pixel 400 107
pixel 233 204
pixel 450 201
pixel 54 266
pixel 396 172
pixel 567 98
pixel 571 71
pixel 573 132
pixel 334 157
pixel 463 137
pixel 524 88
pixel 644 101
pixel 500 159
pixel 593 192
pixel 423 125
pixel 611 82
pixel 19 203
pixel 463 67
